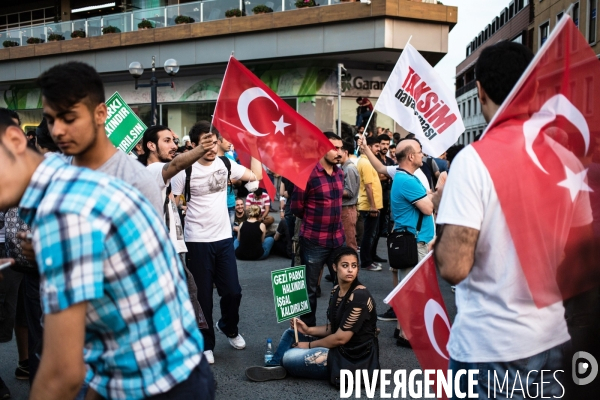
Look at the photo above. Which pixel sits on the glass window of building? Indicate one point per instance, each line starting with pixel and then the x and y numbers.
pixel 592 26
pixel 575 14
pixel 544 31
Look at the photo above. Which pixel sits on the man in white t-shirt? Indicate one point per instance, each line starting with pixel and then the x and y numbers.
pixel 211 256
pixel 159 145
pixel 498 329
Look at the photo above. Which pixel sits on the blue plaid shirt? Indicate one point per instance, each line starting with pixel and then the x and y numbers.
pixel 97 240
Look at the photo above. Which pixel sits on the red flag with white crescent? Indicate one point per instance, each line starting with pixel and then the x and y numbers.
pixel 419 306
pixel 542 150
pixel 259 123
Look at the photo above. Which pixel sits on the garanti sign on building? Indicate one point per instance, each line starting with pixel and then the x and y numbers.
pixel 123 127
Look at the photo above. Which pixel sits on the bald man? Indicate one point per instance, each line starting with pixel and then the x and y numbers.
pixel 408 200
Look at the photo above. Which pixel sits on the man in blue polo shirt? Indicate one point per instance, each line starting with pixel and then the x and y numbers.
pixel 116 305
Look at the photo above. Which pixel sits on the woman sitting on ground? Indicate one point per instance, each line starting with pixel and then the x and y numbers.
pixel 352 326
pixel 251 243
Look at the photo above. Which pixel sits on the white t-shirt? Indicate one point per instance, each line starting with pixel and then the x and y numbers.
pixel 497 319
pixel 207 217
pixel 175 227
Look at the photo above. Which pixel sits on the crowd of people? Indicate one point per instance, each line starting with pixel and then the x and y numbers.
pixel 119 256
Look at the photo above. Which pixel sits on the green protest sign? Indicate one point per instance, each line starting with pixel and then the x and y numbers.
pixel 289 291
pixel 123 127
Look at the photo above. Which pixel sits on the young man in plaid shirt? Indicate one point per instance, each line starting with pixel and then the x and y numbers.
pixel 320 208
pixel 111 280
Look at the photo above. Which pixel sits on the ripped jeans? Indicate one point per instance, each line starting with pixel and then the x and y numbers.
pixel 301 363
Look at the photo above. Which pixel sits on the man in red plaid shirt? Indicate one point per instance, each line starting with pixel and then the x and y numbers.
pixel 320 208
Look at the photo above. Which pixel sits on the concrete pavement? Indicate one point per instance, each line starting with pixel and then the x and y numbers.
pixel 257 323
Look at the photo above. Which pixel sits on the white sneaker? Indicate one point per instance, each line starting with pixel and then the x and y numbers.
pixel 210 357
pixel 237 342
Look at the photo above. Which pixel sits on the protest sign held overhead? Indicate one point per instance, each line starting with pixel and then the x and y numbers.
pixel 417 99
pixel 259 123
pixel 123 127
pixel 289 292
pixel 549 126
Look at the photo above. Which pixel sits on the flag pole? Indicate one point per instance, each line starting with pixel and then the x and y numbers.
pixel 371 116
pixel 219 95
pixel 295 330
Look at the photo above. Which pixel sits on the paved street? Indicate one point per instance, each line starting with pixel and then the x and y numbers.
pixel 257 323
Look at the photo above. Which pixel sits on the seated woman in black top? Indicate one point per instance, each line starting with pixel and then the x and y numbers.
pixel 351 323
pixel 251 243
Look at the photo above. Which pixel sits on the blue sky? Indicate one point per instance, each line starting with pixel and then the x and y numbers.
pixel 473 16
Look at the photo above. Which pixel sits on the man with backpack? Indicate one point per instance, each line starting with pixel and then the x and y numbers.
pixel 207 233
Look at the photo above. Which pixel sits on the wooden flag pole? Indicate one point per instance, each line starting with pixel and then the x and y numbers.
pixel 295 330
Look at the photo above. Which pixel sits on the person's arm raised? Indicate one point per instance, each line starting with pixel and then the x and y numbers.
pixel 254 173
pixel 375 162
pixel 187 159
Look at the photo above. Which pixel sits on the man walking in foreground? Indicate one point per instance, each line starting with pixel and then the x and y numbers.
pixel 120 296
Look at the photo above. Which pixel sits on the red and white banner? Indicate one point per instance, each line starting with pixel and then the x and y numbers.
pixel 419 306
pixel 259 123
pixel 549 183
pixel 418 100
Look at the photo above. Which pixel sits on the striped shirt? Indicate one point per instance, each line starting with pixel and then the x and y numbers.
pixel 98 240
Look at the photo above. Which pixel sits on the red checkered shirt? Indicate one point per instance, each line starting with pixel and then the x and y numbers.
pixel 320 207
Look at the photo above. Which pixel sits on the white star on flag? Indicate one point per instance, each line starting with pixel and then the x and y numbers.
pixel 280 126
pixel 575 182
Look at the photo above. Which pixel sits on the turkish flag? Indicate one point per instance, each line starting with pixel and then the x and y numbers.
pixel 259 123
pixel 542 153
pixel 419 306
pixel 265 182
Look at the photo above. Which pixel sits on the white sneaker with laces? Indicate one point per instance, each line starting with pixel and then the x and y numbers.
pixel 210 357
pixel 237 342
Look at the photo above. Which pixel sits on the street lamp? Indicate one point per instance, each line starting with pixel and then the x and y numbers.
pixel 136 69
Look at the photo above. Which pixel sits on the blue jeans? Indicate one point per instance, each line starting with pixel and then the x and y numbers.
pixel 364 116
pixel 549 360
pixel 231 211
pixel 267 245
pixel 314 257
pixel 301 363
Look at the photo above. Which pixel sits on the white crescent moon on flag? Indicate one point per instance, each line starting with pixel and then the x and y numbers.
pixel 244 102
pixel 433 308
pixel 557 105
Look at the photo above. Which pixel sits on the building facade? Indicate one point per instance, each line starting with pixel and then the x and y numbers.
pixel 512 24
pixel 295 51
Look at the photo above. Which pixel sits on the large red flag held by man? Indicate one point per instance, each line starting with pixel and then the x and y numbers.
pixel 542 153
pixel 259 123
pixel 419 306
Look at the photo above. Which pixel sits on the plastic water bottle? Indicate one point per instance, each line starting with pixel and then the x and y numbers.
pixel 269 352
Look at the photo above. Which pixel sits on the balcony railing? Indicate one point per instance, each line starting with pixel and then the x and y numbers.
pixel 200 11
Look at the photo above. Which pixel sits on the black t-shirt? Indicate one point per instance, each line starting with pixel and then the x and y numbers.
pixel 289 188
pixel 250 241
pixel 357 315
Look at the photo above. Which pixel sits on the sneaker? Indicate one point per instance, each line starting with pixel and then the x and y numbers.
pixel 396 333
pixel 379 259
pixel 389 315
pixel 378 264
pixel 403 342
pixel 237 341
pixel 373 267
pixel 4 392
pixel 22 371
pixel 262 374
pixel 328 278
pixel 210 357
